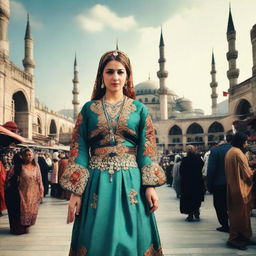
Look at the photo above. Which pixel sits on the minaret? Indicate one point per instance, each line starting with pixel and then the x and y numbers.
pixel 253 40
pixel 28 61
pixel 117 48
pixel 232 53
pixel 214 85
pixel 162 75
pixel 4 21
pixel 75 91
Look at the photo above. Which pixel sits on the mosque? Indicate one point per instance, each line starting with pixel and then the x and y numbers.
pixel 176 122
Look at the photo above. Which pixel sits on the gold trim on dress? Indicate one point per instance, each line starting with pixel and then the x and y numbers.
pixel 153 175
pixel 122 126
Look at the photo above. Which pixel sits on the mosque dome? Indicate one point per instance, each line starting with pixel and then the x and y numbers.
pixel 184 104
pixel 150 87
pixel 183 100
pixel 146 87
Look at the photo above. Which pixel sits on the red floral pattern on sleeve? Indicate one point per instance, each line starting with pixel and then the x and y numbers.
pixel 150 144
pixel 74 142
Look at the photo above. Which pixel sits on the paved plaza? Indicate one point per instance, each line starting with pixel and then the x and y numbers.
pixel 51 235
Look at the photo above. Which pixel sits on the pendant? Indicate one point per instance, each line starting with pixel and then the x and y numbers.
pixel 112 136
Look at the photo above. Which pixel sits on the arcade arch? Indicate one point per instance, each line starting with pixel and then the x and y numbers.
pixel 195 134
pixel 243 109
pixel 215 133
pixel 53 129
pixel 175 138
pixel 20 112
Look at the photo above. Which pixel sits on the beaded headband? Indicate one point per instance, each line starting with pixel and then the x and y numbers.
pixel 114 53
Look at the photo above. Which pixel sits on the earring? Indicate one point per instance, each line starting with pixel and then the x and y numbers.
pixel 102 85
pixel 125 85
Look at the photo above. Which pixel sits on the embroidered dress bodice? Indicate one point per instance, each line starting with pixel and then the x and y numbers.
pixel 124 135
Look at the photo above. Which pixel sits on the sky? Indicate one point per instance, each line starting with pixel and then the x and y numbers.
pixel 192 29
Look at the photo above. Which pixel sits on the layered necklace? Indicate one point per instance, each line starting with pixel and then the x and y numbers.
pixel 112 113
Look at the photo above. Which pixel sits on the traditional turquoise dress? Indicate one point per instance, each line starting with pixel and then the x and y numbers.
pixel 112 161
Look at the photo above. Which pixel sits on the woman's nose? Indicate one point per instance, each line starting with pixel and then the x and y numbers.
pixel 115 75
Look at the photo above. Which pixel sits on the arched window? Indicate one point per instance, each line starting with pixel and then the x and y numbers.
pixel 215 127
pixel 146 100
pixel 175 130
pixel 153 100
pixel 53 128
pixel 20 112
pixel 195 129
pixel 39 125
pixel 243 109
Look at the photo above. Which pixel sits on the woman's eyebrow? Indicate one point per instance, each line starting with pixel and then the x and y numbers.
pixel 119 69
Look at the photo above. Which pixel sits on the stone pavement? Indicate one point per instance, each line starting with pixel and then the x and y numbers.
pixel 51 236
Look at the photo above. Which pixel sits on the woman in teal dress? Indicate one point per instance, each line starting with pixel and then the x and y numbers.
pixel 112 171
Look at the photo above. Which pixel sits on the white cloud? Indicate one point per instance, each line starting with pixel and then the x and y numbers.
pixel 89 24
pixel 189 37
pixel 101 16
pixel 19 13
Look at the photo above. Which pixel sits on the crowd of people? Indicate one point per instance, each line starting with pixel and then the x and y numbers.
pixel 25 177
pixel 224 172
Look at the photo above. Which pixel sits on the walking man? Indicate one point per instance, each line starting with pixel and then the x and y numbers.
pixel 217 183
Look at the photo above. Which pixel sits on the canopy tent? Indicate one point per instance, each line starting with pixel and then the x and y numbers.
pixel 7 137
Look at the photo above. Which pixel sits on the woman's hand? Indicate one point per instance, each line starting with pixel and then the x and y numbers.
pixel 73 207
pixel 152 199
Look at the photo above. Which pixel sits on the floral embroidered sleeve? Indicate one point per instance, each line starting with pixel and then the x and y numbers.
pixel 152 173
pixel 76 174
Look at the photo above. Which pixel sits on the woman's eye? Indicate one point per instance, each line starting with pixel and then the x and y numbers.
pixel 120 72
pixel 109 72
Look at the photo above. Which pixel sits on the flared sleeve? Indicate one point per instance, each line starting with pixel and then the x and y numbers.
pixel 76 174
pixel 152 174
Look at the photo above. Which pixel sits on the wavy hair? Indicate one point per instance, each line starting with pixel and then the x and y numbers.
pixel 120 56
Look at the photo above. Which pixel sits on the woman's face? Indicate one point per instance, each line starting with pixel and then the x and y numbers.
pixel 28 157
pixel 114 76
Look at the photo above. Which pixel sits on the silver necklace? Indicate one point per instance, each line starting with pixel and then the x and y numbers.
pixel 107 116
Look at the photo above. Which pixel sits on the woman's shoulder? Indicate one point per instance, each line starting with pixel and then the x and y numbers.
pixel 139 105
pixel 87 105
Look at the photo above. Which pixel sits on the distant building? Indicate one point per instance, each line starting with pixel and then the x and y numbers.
pixel 17 93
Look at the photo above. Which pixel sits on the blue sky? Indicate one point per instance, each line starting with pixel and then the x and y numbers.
pixel 192 28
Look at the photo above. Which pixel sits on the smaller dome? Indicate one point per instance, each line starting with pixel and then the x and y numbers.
pixel 145 86
pixel 183 100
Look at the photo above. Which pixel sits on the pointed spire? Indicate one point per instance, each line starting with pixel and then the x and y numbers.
pixel 213 60
pixel 161 38
pixel 117 48
pixel 28 30
pixel 75 63
pixel 231 27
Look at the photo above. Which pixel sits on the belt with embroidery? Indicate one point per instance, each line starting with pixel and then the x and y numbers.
pixel 113 151
pixel 113 159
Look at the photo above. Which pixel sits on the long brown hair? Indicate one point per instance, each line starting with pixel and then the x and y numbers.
pixel 120 56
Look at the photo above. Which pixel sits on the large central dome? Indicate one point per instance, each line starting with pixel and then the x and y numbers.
pixel 150 87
